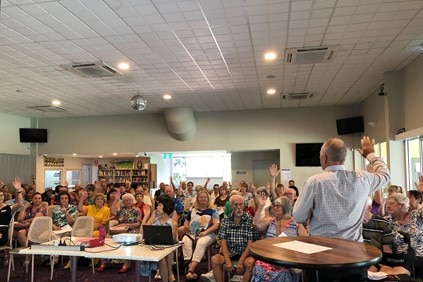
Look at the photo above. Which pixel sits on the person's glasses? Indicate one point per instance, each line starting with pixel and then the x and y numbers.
pixel 277 206
pixel 1 194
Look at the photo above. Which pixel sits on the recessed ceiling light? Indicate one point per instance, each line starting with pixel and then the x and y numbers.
pixel 100 157
pixel 271 91
pixel 74 154
pixel 56 103
pixel 270 56
pixel 123 66
pixel 167 97
pixel 114 154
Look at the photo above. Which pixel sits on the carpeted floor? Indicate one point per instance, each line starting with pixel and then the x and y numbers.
pixel 84 274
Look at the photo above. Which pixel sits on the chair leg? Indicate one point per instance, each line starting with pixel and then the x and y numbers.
pixel 51 267
pixel 11 263
pixel 32 269
pixel 93 265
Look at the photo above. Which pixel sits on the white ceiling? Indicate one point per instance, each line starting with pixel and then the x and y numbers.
pixel 208 54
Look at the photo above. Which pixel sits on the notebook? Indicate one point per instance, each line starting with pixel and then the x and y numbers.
pixel 158 235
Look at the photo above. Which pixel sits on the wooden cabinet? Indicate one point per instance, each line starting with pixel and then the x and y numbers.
pixel 139 174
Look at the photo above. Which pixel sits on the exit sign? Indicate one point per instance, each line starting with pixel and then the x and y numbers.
pixel 167 156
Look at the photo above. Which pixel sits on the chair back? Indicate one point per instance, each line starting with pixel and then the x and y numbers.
pixel 40 230
pixel 83 227
pixel 10 232
pixel 405 260
pixel 50 210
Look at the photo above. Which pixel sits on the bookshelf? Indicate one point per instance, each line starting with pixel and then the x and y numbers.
pixel 137 174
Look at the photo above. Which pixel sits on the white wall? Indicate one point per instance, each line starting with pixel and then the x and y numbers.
pixel 9 128
pixel 233 131
pixel 413 94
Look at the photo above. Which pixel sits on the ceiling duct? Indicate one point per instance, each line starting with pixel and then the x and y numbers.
pixel 180 123
pixel 297 96
pixel 98 69
pixel 48 109
pixel 310 55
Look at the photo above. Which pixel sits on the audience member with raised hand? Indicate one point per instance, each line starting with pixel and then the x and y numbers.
pixel 99 211
pixel 199 232
pixel 143 207
pixel 274 172
pixel 403 220
pixel 419 185
pixel 281 224
pixel 65 213
pixel 27 215
pixel 128 218
pixel 6 213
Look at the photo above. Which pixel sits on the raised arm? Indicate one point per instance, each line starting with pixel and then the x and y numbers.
pixel 261 223
pixel 419 186
pixel 274 172
pixel 19 197
pixel 82 197
pixel 115 202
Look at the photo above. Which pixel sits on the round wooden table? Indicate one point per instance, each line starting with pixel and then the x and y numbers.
pixel 343 254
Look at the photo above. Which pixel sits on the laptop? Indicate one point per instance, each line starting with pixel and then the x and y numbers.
pixel 158 235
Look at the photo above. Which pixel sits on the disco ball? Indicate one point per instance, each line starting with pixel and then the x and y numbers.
pixel 138 103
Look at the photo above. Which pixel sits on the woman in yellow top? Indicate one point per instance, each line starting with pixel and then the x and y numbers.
pixel 99 211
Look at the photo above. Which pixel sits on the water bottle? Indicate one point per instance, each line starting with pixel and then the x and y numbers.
pixel 102 232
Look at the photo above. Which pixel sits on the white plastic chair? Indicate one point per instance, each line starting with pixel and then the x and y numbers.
pixel 83 227
pixel 41 231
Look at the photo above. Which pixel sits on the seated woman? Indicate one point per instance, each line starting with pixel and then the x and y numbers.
pixel 405 221
pixel 128 218
pixel 222 198
pixel 6 213
pixel 99 211
pixel 65 213
pixel 199 228
pixel 163 216
pixel 281 224
pixel 27 215
pixel 144 208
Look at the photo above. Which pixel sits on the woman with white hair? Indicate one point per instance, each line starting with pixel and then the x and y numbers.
pixel 405 221
pixel 129 220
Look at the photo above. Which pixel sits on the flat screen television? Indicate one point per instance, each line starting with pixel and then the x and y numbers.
pixel 307 154
pixel 33 135
pixel 350 125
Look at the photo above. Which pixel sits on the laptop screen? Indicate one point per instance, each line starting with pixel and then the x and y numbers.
pixel 158 235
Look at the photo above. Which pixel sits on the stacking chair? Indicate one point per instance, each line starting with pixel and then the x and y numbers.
pixel 50 210
pixel 8 245
pixel 41 231
pixel 406 260
pixel 83 227
pixel 14 250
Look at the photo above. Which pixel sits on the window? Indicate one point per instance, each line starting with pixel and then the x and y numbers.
pixel 413 149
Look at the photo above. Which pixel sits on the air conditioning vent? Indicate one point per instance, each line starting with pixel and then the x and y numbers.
pixel 297 96
pixel 311 55
pixel 98 69
pixel 48 109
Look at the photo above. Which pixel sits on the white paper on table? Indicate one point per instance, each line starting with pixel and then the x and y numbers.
pixel 302 247
pixel 66 228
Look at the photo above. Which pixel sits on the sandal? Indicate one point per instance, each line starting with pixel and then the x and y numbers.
pixel 191 275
